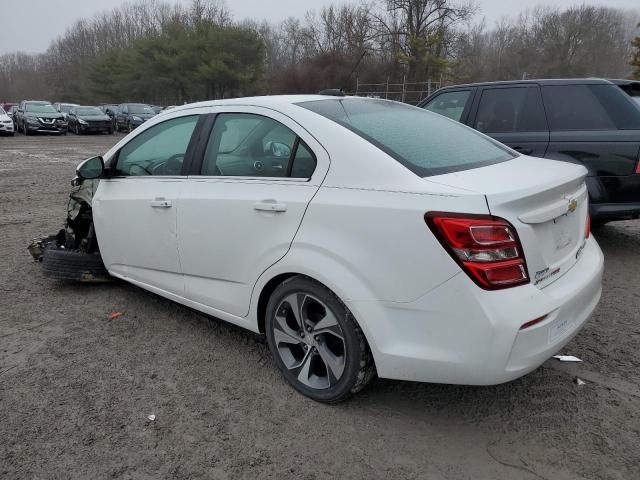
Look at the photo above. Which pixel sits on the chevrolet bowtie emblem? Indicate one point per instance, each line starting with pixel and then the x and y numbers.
pixel 573 204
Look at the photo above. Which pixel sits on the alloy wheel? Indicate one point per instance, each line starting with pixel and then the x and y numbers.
pixel 309 341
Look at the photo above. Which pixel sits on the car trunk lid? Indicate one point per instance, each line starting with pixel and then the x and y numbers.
pixel 545 200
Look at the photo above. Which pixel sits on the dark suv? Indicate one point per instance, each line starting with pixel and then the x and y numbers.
pixel 587 121
pixel 132 115
pixel 38 116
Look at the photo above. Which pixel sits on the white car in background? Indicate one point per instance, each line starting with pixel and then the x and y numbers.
pixel 361 236
pixel 6 123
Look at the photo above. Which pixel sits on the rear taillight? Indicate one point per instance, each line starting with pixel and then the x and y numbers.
pixel 638 167
pixel 487 248
pixel 587 229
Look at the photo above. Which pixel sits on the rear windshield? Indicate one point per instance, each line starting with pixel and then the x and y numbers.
pixel 424 142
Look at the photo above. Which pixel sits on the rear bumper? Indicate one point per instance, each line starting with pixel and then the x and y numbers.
pixel 614 197
pixel 459 333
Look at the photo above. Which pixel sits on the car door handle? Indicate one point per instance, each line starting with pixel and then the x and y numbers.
pixel 523 150
pixel 161 203
pixel 270 206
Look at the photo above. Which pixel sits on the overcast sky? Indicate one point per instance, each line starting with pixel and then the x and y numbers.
pixel 30 25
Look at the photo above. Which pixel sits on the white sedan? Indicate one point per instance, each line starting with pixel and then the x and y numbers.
pixel 361 236
pixel 6 123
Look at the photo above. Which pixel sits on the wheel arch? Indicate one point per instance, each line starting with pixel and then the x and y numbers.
pixel 324 268
pixel 265 295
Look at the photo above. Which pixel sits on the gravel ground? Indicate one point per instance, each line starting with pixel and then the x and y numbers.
pixel 76 388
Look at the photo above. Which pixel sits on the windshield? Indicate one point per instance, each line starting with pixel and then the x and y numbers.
pixel 66 108
pixel 2 112
pixel 89 111
pixel 39 108
pixel 138 108
pixel 424 142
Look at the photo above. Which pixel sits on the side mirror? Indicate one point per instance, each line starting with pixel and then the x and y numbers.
pixel 91 168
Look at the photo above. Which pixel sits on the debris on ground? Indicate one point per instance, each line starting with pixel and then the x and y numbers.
pixel 579 381
pixel 115 315
pixel 151 418
pixel 567 358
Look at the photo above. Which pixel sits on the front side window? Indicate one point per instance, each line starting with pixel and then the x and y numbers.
pixel 160 150
pixel 515 109
pixel 450 104
pixel 589 107
pixel 425 143
pixel 248 145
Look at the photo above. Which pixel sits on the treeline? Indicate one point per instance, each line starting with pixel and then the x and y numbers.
pixel 158 53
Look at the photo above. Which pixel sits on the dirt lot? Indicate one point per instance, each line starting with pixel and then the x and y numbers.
pixel 76 389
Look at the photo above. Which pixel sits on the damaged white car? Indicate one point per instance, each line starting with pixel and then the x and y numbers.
pixel 361 236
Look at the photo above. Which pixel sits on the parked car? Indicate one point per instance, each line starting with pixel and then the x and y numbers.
pixel 131 115
pixel 64 108
pixel 6 123
pixel 588 122
pixel 83 119
pixel 157 108
pixel 358 235
pixel 38 116
pixel 168 107
pixel 630 87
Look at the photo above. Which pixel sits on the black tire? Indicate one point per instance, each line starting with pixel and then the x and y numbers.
pixel 359 368
pixel 129 127
pixel 77 129
pixel 110 132
pixel 26 130
pixel 67 264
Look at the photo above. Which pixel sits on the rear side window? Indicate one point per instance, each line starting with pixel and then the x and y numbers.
pixel 425 143
pixel 515 109
pixel 249 145
pixel 450 104
pixel 589 107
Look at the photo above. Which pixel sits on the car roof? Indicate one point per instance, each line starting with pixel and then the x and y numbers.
pixel 546 81
pixel 267 101
pixel 41 102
